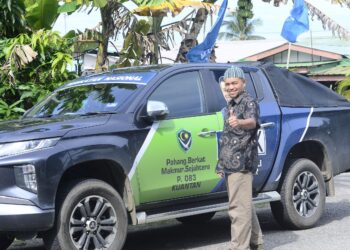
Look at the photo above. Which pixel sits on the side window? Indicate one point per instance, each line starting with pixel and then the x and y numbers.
pixel 249 82
pixel 258 85
pixel 182 93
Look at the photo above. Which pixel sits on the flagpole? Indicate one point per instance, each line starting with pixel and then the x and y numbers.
pixel 312 49
pixel 288 57
pixel 295 24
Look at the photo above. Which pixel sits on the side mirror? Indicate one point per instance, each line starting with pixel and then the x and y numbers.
pixel 157 110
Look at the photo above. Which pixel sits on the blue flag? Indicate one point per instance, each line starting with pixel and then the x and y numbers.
pixel 297 22
pixel 202 51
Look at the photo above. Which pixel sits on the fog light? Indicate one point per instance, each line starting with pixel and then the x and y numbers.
pixel 26 177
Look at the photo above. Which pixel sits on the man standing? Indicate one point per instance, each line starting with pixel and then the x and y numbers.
pixel 238 161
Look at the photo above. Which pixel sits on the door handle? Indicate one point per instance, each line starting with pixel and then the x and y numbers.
pixel 207 133
pixel 267 125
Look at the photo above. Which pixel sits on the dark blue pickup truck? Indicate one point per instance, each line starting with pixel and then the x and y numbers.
pixel 139 145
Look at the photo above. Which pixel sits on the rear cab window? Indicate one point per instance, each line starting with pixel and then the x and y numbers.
pixel 250 86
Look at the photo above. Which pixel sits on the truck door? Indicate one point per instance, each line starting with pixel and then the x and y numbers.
pixel 269 133
pixel 180 159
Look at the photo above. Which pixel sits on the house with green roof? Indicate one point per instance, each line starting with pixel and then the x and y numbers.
pixel 323 66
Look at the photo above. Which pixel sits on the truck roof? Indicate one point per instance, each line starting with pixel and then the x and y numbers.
pixel 291 89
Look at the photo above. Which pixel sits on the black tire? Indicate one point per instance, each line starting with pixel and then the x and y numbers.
pixel 5 240
pixel 91 213
pixel 196 219
pixel 302 196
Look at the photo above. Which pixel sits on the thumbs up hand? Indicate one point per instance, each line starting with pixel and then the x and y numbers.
pixel 232 120
pixel 232 113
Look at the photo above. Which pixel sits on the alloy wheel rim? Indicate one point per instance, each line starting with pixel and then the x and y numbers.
pixel 306 194
pixel 93 223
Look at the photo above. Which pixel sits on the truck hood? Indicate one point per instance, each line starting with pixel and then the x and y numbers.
pixel 39 128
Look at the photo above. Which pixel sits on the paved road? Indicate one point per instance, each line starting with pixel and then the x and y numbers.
pixel 331 233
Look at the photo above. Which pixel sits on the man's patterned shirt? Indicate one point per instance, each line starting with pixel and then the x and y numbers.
pixel 239 147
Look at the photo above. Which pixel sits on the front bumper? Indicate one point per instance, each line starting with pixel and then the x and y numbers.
pixel 21 215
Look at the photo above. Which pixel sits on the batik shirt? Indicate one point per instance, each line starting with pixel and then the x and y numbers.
pixel 239 147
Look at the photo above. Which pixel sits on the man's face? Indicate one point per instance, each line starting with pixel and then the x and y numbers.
pixel 234 86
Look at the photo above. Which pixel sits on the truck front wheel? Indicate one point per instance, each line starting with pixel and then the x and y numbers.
pixel 302 196
pixel 92 215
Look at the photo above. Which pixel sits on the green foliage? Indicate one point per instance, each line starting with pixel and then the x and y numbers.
pixel 31 67
pixel 239 30
pixel 68 7
pixel 245 9
pixel 26 16
pixel 244 12
pixel 343 88
pixel 87 40
pixel 151 2
pixel 73 5
pixel 10 111
pixel 41 14
pixel 133 48
pixel 12 20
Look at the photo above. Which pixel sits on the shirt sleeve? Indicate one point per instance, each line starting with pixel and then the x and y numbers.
pixel 252 111
pixel 224 112
pixel 219 168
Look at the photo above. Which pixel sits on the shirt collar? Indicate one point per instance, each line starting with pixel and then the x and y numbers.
pixel 239 98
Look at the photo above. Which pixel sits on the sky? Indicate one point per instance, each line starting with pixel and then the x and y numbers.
pixel 272 20
pixel 273 17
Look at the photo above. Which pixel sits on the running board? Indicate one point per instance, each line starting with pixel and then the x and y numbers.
pixel 267 197
pixel 143 218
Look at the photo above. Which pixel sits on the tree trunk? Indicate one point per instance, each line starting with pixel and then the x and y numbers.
pixel 156 27
pixel 190 39
pixel 102 56
pixel 108 30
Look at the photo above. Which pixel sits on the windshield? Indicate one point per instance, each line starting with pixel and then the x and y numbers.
pixel 84 99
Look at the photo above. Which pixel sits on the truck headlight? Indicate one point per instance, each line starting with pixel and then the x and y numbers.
pixel 20 147
pixel 26 177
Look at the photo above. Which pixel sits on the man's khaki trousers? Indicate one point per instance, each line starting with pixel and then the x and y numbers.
pixel 245 229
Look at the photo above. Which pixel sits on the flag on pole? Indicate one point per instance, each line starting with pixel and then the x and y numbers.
pixel 297 22
pixel 202 51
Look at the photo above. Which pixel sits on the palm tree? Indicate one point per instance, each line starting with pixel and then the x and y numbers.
pixel 115 18
pixel 238 29
pixel 133 52
pixel 112 11
pixel 111 14
pixel 190 39
pixel 157 10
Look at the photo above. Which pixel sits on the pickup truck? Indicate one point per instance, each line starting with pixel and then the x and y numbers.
pixel 140 145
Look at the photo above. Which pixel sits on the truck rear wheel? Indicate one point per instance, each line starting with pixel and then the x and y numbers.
pixel 5 240
pixel 92 216
pixel 302 196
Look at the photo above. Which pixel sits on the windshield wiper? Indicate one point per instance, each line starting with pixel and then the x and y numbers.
pixel 74 114
pixel 40 116
pixel 97 113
